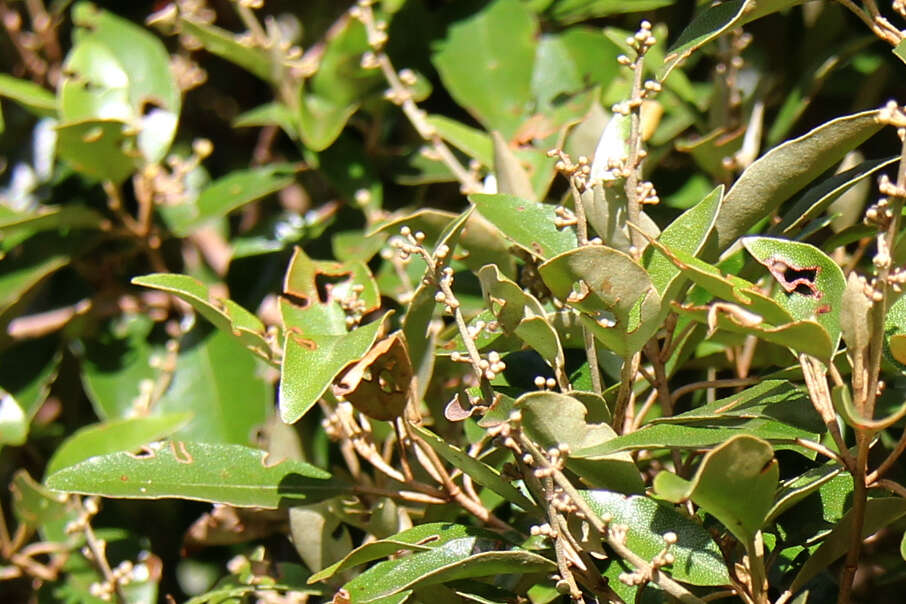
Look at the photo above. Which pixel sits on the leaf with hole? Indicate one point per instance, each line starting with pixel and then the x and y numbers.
pixel 218 473
pixel 811 285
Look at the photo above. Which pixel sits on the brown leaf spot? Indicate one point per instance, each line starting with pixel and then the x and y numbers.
pixel 303 342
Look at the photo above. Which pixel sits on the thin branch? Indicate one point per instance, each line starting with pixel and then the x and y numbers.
pixel 666 583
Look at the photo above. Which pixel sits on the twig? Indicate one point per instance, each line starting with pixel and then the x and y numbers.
pixel 402 96
pixel 624 394
pixel 894 487
pixel 889 461
pixel 666 583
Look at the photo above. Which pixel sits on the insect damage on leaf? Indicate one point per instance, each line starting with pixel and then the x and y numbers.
pixel 379 384
pixel 792 278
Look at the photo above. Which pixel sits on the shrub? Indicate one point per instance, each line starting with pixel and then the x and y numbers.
pixel 511 301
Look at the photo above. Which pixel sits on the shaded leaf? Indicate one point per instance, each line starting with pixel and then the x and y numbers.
pixel 101 149
pixel 552 419
pixel 820 197
pixel 230 474
pixel 229 193
pixel 479 471
pixel 879 513
pixel 714 22
pixel 743 464
pixel 33 97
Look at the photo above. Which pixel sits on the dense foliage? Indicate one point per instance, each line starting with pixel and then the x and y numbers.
pixel 510 301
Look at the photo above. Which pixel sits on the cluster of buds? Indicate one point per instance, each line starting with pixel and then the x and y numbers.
pixel 641 42
pixel 122 575
pixel 564 217
pixel 376 30
pixel 409 244
pixel 892 114
pixel 489 366
pixel 543 530
pixel 88 511
pixel 545 384
pixel 353 305
pixel 646 193
pixel 168 188
pixel 556 460
pixel 578 172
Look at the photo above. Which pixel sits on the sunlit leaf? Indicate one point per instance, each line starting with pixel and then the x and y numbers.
pixel 230 474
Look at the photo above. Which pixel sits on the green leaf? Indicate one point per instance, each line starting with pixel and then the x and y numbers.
pixel 268 114
pixel 64 218
pixel 743 464
pixel 224 44
pixel 13 420
pixel 811 284
pixel 512 178
pixel 698 436
pixel 775 400
pixel 796 489
pixel 879 513
pixel 219 473
pixel 574 11
pixel 520 313
pixel 613 290
pixel 716 21
pixel 419 538
pixel 311 362
pixel 817 199
pixel 486 64
pixel 118 70
pixel 479 238
pixel 479 471
pixel 463 558
pixel 222 386
pixel 34 505
pixel 101 149
pixel 529 224
pixel 900 51
pixel 117 435
pixel 225 314
pixel 33 97
pixel 786 169
pixel 471 141
pixel 229 193
pixel 698 560
pixel 552 419
pixel 687 233
pixel 20 274
pixel 321 120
